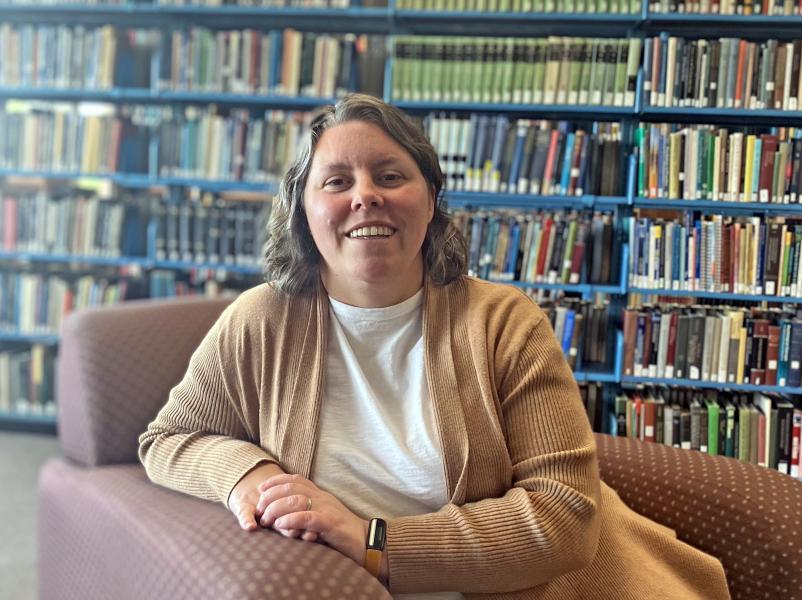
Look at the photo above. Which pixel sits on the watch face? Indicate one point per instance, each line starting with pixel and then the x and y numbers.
pixel 376 534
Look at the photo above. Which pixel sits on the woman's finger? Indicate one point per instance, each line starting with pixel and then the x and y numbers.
pixel 246 517
pixel 309 536
pixel 283 506
pixel 282 491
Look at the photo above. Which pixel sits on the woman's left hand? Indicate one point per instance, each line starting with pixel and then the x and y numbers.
pixel 284 500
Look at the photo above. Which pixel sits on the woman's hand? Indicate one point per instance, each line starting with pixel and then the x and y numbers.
pixel 245 496
pixel 284 501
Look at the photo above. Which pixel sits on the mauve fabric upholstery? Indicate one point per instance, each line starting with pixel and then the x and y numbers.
pixel 117 365
pixel 744 515
pixel 106 532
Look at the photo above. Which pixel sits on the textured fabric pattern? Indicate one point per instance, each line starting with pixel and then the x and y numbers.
pixel 108 533
pixel 743 514
pixel 116 368
pixel 527 516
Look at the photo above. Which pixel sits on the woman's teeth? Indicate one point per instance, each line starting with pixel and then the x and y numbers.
pixel 379 231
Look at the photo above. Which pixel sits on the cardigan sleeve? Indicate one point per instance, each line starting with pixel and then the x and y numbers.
pixel 201 442
pixel 547 522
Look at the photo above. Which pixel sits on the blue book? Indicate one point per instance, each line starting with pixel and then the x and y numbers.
pixel 568 331
pixel 663 64
pixel 756 170
pixel 565 176
pixel 647 69
pixel 473 130
pixel 479 151
pixel 676 254
pixel 276 45
pixel 497 151
pixel 511 262
pixel 697 267
pixel 795 355
pixel 517 155
pixel 784 352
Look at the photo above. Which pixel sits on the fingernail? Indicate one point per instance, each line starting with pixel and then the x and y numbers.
pixel 279 522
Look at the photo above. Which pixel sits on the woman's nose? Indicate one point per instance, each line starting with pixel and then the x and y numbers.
pixel 366 195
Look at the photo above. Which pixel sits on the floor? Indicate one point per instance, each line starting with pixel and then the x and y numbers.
pixel 21 455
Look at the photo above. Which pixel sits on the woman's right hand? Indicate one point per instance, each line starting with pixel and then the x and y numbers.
pixel 245 496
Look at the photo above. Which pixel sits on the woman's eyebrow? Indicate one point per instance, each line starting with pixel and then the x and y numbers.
pixel 342 166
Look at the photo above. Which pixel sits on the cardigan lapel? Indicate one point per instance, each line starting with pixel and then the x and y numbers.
pixel 299 442
pixel 441 374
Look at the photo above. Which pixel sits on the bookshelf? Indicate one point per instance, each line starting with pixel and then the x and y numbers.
pixel 396 22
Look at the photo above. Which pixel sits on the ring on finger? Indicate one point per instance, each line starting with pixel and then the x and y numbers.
pixel 308 503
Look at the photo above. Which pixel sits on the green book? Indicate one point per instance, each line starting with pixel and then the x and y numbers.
pixel 744 433
pixel 507 69
pixel 622 61
pixel 712 426
pixel 539 70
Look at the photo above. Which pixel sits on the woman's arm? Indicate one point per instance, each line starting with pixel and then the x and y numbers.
pixel 547 523
pixel 200 442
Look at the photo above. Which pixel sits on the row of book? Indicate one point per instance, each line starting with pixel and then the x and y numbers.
pixel 36 303
pixel 196 142
pixel 27 378
pixel 761 429
pixel 538 246
pixel 525 6
pixel 728 7
pixel 553 70
pixel 736 346
pixel 284 62
pixel 581 328
pixel 202 230
pixel 708 162
pixel 46 56
pixel 723 73
pixel 719 254
pixel 191 141
pixel 496 154
pixel 76 223
pixel 210 230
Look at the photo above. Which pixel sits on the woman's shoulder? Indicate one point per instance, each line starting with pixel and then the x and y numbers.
pixel 262 303
pixel 497 299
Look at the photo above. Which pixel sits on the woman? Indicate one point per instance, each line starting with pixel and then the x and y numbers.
pixel 371 380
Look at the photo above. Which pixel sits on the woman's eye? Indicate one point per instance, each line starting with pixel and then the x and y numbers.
pixel 335 182
pixel 391 177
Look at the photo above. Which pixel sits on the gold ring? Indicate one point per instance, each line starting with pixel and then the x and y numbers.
pixel 308 503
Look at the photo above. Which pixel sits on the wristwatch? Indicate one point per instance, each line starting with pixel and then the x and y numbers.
pixel 374 546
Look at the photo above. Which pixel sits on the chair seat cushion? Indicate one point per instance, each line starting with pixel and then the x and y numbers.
pixel 108 532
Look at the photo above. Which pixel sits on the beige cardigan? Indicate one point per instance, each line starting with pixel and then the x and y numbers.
pixel 528 516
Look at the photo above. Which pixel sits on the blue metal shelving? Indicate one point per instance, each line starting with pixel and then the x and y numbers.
pixel 589 112
pixel 28 338
pixel 740 387
pixel 716 295
pixel 148 96
pixel 127 261
pixel 718 206
pixel 141 14
pixel 28 422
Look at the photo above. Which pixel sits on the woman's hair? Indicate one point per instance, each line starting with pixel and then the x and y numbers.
pixel 291 257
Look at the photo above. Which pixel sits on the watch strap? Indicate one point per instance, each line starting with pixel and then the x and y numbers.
pixel 374 546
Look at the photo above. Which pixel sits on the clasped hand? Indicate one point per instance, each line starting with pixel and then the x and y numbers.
pixel 282 504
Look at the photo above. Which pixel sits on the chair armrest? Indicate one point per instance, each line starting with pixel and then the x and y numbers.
pixel 116 367
pixel 746 516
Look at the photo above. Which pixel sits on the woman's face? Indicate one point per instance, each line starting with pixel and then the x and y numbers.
pixel 368 207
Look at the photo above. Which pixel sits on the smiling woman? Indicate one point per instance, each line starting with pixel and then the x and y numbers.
pixel 372 397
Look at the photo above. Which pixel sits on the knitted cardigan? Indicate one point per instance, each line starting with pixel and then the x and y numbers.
pixel 528 516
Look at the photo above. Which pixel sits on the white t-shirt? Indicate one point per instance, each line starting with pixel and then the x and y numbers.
pixel 378 448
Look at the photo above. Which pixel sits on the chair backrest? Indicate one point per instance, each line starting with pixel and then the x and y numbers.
pixel 744 515
pixel 116 367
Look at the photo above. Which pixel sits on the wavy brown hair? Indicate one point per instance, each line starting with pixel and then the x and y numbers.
pixel 292 259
